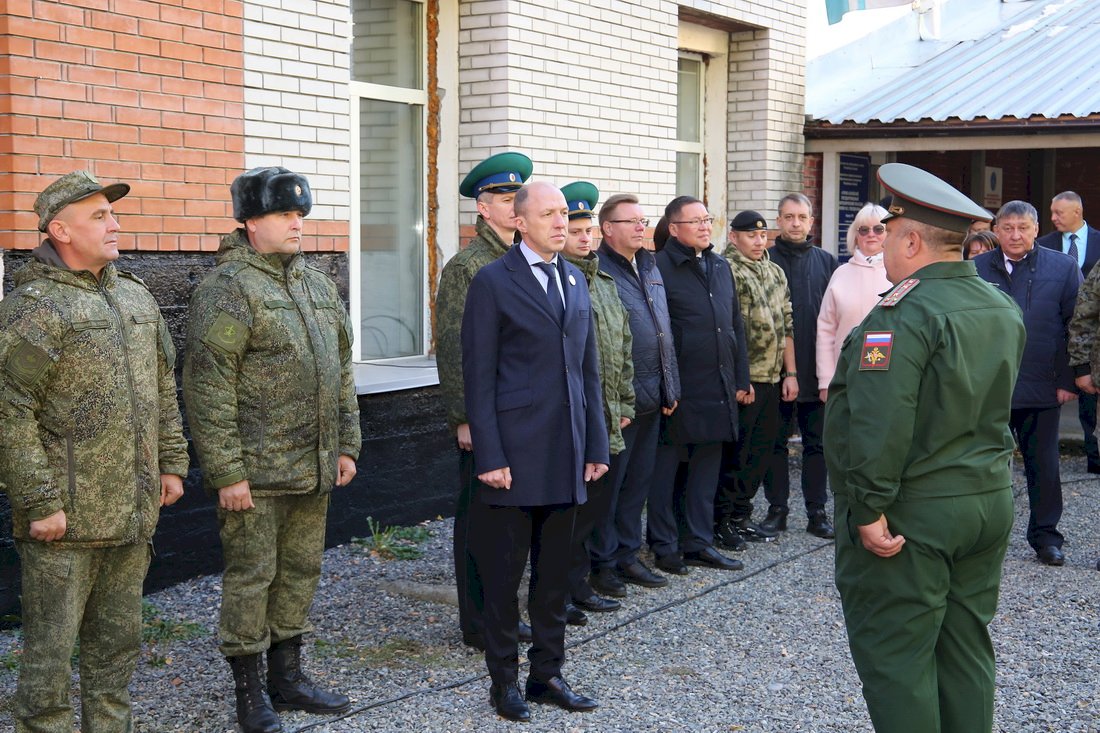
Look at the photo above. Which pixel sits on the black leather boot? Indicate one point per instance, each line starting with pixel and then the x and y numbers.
pixel 254 711
pixel 776 521
pixel 291 689
pixel 818 525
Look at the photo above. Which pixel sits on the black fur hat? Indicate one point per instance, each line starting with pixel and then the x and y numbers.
pixel 264 190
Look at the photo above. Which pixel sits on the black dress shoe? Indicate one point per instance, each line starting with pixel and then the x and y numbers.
pixel 776 521
pixel 556 691
pixel 508 702
pixel 754 532
pixel 672 564
pixel 818 525
pixel 606 582
pixel 709 557
pixel 639 574
pixel 1051 555
pixel 596 604
pixel 727 537
pixel 575 616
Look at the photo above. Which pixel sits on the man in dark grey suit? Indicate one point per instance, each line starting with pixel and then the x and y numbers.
pixel 531 375
pixel 1073 236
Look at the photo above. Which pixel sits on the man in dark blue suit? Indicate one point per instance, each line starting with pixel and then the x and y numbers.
pixel 1073 236
pixel 533 400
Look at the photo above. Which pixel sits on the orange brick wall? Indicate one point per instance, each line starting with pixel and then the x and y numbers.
pixel 144 91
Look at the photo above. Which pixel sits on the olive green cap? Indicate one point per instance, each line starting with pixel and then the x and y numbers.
pixel 580 197
pixel 921 196
pixel 500 173
pixel 69 189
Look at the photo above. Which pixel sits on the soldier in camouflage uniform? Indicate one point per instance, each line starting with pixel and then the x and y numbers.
pixel 494 183
pixel 93 447
pixel 1084 327
pixel 271 402
pixel 614 344
pixel 766 305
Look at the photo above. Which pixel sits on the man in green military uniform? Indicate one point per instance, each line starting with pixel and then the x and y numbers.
pixel 493 183
pixel 271 402
pixel 918 448
pixel 595 519
pixel 93 447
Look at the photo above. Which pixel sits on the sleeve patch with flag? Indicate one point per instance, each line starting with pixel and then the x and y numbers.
pixel 875 355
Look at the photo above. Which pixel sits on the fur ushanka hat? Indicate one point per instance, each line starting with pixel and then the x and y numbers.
pixel 264 190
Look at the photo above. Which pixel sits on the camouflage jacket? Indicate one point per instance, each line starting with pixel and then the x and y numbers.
pixel 614 345
pixel 267 377
pixel 88 405
pixel 766 306
pixel 450 302
pixel 1084 327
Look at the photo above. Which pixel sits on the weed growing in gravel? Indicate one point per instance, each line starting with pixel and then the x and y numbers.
pixel 155 629
pixel 394 543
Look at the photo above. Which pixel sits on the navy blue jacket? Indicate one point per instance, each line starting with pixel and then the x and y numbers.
pixel 808 269
pixel 1044 284
pixel 1053 241
pixel 656 378
pixel 533 394
pixel 709 336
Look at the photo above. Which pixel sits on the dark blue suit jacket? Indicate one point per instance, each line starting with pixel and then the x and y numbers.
pixel 532 384
pixel 1092 247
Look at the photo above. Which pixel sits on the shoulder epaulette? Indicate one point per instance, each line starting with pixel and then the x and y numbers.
pixel 894 296
pixel 131 276
pixel 230 269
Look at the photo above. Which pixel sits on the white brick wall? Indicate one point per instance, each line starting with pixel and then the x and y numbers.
pixel 296 95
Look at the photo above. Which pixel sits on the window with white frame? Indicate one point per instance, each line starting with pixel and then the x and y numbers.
pixel 690 99
pixel 389 101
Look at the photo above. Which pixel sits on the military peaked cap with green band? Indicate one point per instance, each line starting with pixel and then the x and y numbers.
pixel 500 173
pixel 921 196
pixel 580 197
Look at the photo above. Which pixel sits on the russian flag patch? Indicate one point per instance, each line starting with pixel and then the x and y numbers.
pixel 875 355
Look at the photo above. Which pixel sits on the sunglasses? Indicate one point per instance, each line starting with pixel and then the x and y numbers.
pixel 877 229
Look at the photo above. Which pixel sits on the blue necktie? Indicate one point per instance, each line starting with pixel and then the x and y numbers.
pixel 1073 248
pixel 553 294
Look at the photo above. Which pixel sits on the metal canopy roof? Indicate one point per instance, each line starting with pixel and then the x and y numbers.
pixel 1042 61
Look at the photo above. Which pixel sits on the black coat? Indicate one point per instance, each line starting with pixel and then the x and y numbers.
pixel 656 378
pixel 709 337
pixel 1044 284
pixel 808 269
pixel 1092 246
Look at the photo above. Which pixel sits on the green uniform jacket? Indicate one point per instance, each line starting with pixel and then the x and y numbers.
pixel 450 302
pixel 88 408
pixel 267 378
pixel 931 419
pixel 766 310
pixel 1084 356
pixel 614 344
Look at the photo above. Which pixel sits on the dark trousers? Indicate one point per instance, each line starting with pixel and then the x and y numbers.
pixel 467 578
pixel 1036 432
pixel 811 424
pixel 594 526
pixel 501 554
pixel 1086 413
pixel 746 461
pixel 618 540
pixel 682 515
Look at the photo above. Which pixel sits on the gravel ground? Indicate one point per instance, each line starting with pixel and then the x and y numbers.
pixel 763 650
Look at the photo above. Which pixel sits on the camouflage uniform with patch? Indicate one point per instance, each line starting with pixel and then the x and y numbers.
pixel 270 395
pixel 90 421
pixel 614 343
pixel 766 305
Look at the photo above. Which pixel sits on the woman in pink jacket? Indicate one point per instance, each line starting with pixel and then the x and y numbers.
pixel 853 290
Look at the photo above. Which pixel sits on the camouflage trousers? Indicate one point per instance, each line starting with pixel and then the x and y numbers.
pixel 93 595
pixel 272 565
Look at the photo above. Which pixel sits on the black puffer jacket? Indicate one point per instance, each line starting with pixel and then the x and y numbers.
pixel 808 269
pixel 656 378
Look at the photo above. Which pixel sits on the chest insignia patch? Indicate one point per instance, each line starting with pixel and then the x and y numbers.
pixel 894 296
pixel 226 333
pixel 875 354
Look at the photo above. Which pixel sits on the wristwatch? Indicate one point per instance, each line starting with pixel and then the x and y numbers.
pixel 788 374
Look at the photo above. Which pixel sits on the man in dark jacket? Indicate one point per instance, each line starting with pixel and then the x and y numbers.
pixel 808 269
pixel 709 338
pixel 624 257
pixel 1044 284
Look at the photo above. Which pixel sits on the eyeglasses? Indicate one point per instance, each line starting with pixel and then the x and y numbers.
pixel 631 222
pixel 877 229
pixel 695 222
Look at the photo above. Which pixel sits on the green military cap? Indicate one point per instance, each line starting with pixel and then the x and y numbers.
pixel 500 173
pixel 921 196
pixel 69 189
pixel 580 197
